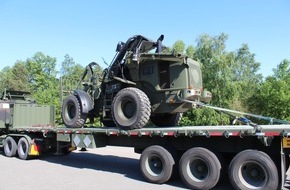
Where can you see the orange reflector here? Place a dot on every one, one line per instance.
(34, 150)
(72, 149)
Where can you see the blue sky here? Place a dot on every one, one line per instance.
(89, 30)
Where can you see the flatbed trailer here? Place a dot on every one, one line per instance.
(254, 157)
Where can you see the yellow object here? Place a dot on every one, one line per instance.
(34, 150)
(72, 149)
(286, 142)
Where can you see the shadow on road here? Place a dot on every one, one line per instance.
(129, 167)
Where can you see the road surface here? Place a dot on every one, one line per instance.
(103, 169)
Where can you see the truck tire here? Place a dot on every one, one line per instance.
(71, 114)
(166, 119)
(23, 149)
(131, 109)
(252, 169)
(156, 164)
(10, 147)
(199, 168)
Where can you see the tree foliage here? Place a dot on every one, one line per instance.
(178, 47)
(273, 96)
(203, 116)
(70, 74)
(15, 78)
(42, 78)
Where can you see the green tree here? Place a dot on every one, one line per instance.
(42, 72)
(70, 74)
(273, 96)
(43, 80)
(15, 78)
(246, 76)
(203, 116)
(70, 68)
(178, 47)
(217, 75)
(190, 51)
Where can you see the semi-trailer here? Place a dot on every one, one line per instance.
(252, 156)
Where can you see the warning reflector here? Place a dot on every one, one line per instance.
(286, 142)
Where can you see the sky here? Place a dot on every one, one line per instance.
(89, 30)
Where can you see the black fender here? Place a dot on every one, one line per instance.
(86, 101)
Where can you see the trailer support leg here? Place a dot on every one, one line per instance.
(58, 149)
(283, 165)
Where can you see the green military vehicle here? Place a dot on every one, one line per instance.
(141, 83)
(18, 110)
(21, 104)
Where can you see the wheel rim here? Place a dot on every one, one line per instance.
(154, 165)
(71, 111)
(128, 108)
(23, 148)
(253, 175)
(197, 169)
(8, 146)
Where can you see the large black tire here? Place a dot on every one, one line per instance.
(131, 109)
(23, 149)
(71, 114)
(199, 168)
(166, 119)
(252, 169)
(156, 164)
(10, 147)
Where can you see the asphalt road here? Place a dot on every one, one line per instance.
(103, 169)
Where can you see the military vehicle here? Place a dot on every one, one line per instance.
(141, 83)
(18, 110)
(20, 103)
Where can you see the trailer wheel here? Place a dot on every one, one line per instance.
(166, 119)
(156, 164)
(23, 148)
(253, 169)
(10, 147)
(131, 108)
(72, 115)
(199, 168)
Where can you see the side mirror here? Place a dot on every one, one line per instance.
(119, 46)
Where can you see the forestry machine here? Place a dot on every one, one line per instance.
(142, 83)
